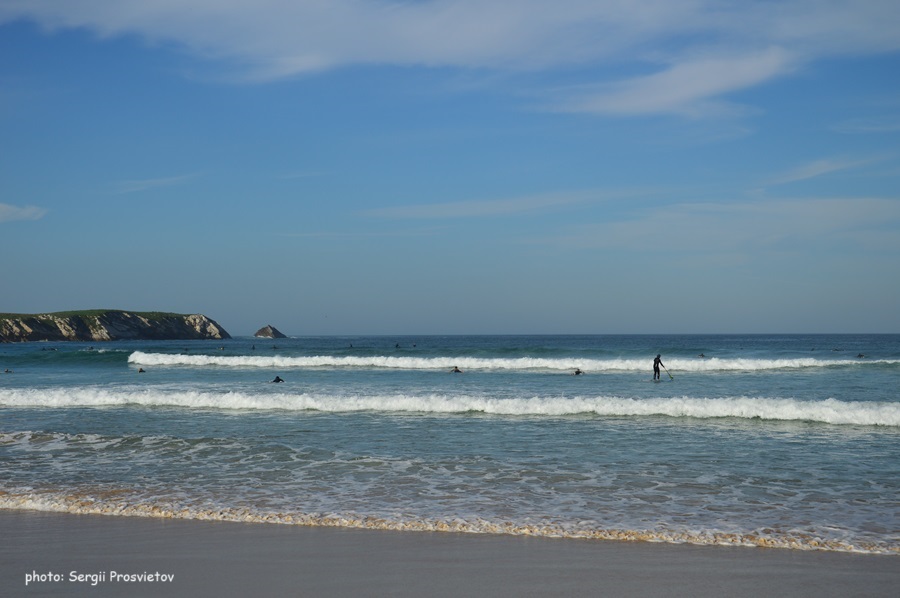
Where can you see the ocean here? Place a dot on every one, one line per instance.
(786, 441)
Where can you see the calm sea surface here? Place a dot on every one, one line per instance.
(764, 440)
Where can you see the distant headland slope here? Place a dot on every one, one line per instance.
(107, 325)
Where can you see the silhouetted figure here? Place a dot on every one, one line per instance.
(656, 363)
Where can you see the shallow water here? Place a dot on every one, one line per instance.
(789, 441)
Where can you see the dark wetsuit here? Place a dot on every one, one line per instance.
(656, 363)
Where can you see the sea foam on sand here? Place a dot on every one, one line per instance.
(215, 558)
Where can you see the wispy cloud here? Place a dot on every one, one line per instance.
(684, 88)
(10, 213)
(138, 185)
(349, 235)
(691, 53)
(742, 227)
(870, 125)
(301, 175)
(817, 168)
(483, 208)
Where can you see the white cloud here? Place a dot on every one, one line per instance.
(9, 213)
(695, 51)
(279, 38)
(684, 88)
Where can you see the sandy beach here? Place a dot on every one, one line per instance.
(114, 556)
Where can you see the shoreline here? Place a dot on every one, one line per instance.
(207, 558)
(84, 505)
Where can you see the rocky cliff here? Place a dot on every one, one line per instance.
(269, 332)
(107, 325)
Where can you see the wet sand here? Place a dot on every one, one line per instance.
(237, 559)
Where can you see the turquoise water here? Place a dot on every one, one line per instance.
(775, 440)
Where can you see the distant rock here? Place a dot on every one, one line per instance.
(107, 325)
(269, 332)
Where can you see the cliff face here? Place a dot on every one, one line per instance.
(269, 332)
(110, 325)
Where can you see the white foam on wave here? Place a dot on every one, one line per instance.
(113, 503)
(478, 363)
(829, 411)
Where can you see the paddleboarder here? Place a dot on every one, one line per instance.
(656, 363)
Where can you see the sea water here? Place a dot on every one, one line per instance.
(769, 440)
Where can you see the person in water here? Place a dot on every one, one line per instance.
(456, 370)
(656, 363)
(577, 372)
(277, 379)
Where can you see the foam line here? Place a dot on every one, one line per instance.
(829, 411)
(86, 504)
(476, 363)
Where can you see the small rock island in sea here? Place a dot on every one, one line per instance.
(269, 332)
(107, 325)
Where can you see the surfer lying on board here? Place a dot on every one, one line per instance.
(456, 370)
(656, 363)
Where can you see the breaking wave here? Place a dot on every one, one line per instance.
(828, 411)
(479, 363)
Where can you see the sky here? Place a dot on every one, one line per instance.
(343, 167)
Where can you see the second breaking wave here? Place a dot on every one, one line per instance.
(828, 411)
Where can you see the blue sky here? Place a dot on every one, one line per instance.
(455, 166)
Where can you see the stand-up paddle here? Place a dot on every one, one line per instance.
(671, 377)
